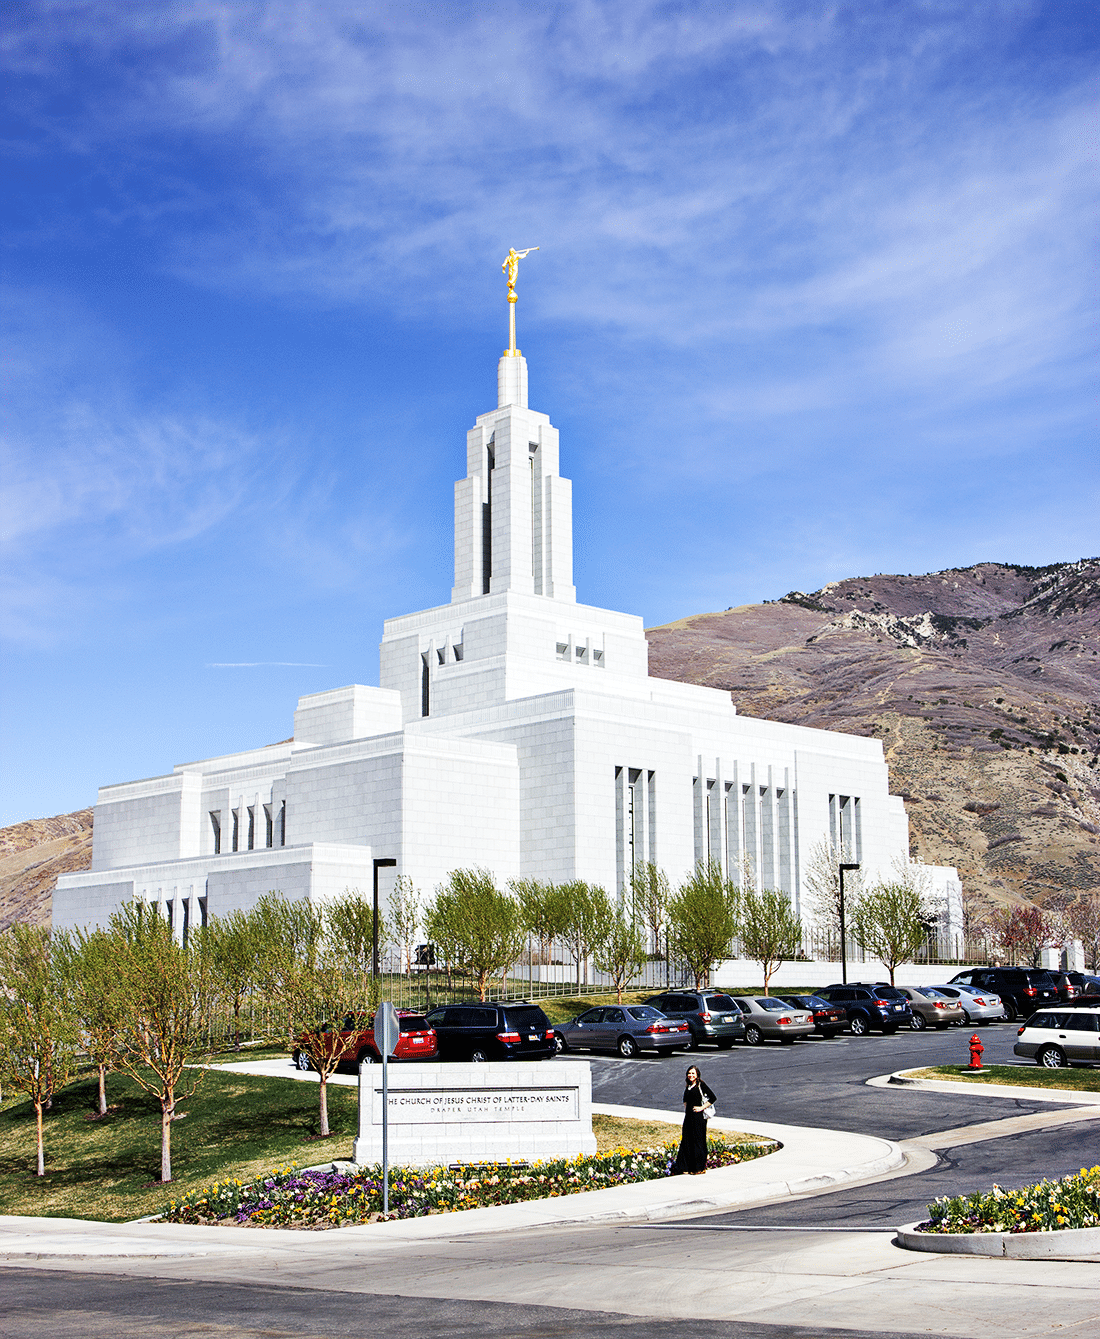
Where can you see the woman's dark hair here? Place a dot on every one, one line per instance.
(698, 1072)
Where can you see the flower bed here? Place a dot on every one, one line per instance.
(1051, 1206)
(287, 1197)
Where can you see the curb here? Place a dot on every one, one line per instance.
(1078, 1243)
(903, 1078)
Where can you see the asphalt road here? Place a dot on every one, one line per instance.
(822, 1083)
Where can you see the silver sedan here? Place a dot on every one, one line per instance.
(979, 1006)
(771, 1019)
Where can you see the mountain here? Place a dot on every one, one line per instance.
(983, 684)
(32, 855)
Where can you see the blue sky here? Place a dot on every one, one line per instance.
(816, 298)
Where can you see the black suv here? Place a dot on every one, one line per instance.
(712, 1015)
(475, 1031)
(1022, 989)
(870, 1008)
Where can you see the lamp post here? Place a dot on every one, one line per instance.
(843, 941)
(384, 864)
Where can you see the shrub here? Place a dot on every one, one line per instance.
(1050, 1206)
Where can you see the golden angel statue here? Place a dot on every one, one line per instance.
(511, 268)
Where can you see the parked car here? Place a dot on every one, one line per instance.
(770, 1018)
(869, 1008)
(1086, 985)
(515, 1030)
(1022, 989)
(829, 1019)
(711, 1015)
(930, 1008)
(979, 1006)
(1065, 985)
(626, 1028)
(416, 1040)
(1057, 1037)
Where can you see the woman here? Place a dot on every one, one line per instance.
(692, 1157)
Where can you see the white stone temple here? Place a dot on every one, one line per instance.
(513, 729)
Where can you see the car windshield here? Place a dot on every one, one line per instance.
(718, 1002)
(929, 993)
(526, 1020)
(412, 1023)
(644, 1012)
(816, 1002)
(773, 1005)
(888, 993)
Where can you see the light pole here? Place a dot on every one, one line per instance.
(383, 864)
(843, 941)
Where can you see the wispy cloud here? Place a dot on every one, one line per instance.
(265, 664)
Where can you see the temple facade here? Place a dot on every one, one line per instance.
(513, 729)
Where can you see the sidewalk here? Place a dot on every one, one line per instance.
(810, 1159)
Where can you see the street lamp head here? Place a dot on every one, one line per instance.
(849, 867)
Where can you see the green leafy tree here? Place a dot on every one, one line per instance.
(288, 935)
(406, 911)
(349, 925)
(703, 919)
(890, 920)
(589, 920)
(234, 947)
(325, 1001)
(621, 953)
(91, 965)
(651, 893)
(168, 993)
(478, 928)
(769, 929)
(544, 909)
(38, 1033)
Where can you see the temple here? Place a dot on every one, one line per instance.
(513, 729)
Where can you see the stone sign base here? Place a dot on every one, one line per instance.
(442, 1113)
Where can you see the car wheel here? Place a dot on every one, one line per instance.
(918, 1022)
(965, 1019)
(478, 1056)
(560, 1047)
(1051, 1057)
(692, 1044)
(366, 1058)
(753, 1035)
(858, 1024)
(724, 1043)
(1011, 1013)
(628, 1048)
(302, 1061)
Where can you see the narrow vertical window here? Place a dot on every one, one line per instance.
(236, 829)
(487, 526)
(251, 827)
(425, 686)
(282, 824)
(269, 826)
(216, 828)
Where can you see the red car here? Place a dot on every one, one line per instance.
(416, 1041)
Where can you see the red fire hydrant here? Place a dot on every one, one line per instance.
(976, 1049)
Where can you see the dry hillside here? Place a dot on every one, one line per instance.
(983, 684)
(32, 855)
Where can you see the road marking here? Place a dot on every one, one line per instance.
(755, 1227)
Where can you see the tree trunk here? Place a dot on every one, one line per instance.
(482, 985)
(237, 1023)
(324, 1106)
(167, 1110)
(41, 1150)
(103, 1089)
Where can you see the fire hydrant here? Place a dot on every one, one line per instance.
(976, 1049)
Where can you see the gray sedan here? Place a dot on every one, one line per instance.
(979, 1006)
(626, 1028)
(771, 1019)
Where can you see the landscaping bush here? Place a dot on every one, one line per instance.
(287, 1197)
(1051, 1206)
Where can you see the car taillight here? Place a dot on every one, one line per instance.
(507, 1036)
(705, 1017)
(978, 999)
(550, 1035)
(883, 1004)
(784, 1020)
(1030, 991)
(939, 1004)
(656, 1027)
(1019, 1030)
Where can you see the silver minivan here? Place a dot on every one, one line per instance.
(1057, 1037)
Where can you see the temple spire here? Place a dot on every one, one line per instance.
(511, 270)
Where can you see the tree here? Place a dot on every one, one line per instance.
(650, 891)
(770, 930)
(288, 934)
(234, 947)
(891, 921)
(37, 1024)
(168, 991)
(821, 882)
(325, 1000)
(91, 966)
(703, 919)
(1021, 930)
(406, 910)
(622, 951)
(477, 927)
(544, 909)
(349, 925)
(1083, 918)
(589, 917)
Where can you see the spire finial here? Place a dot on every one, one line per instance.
(511, 269)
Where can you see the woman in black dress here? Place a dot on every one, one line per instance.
(692, 1157)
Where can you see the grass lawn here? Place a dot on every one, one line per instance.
(236, 1126)
(1017, 1076)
